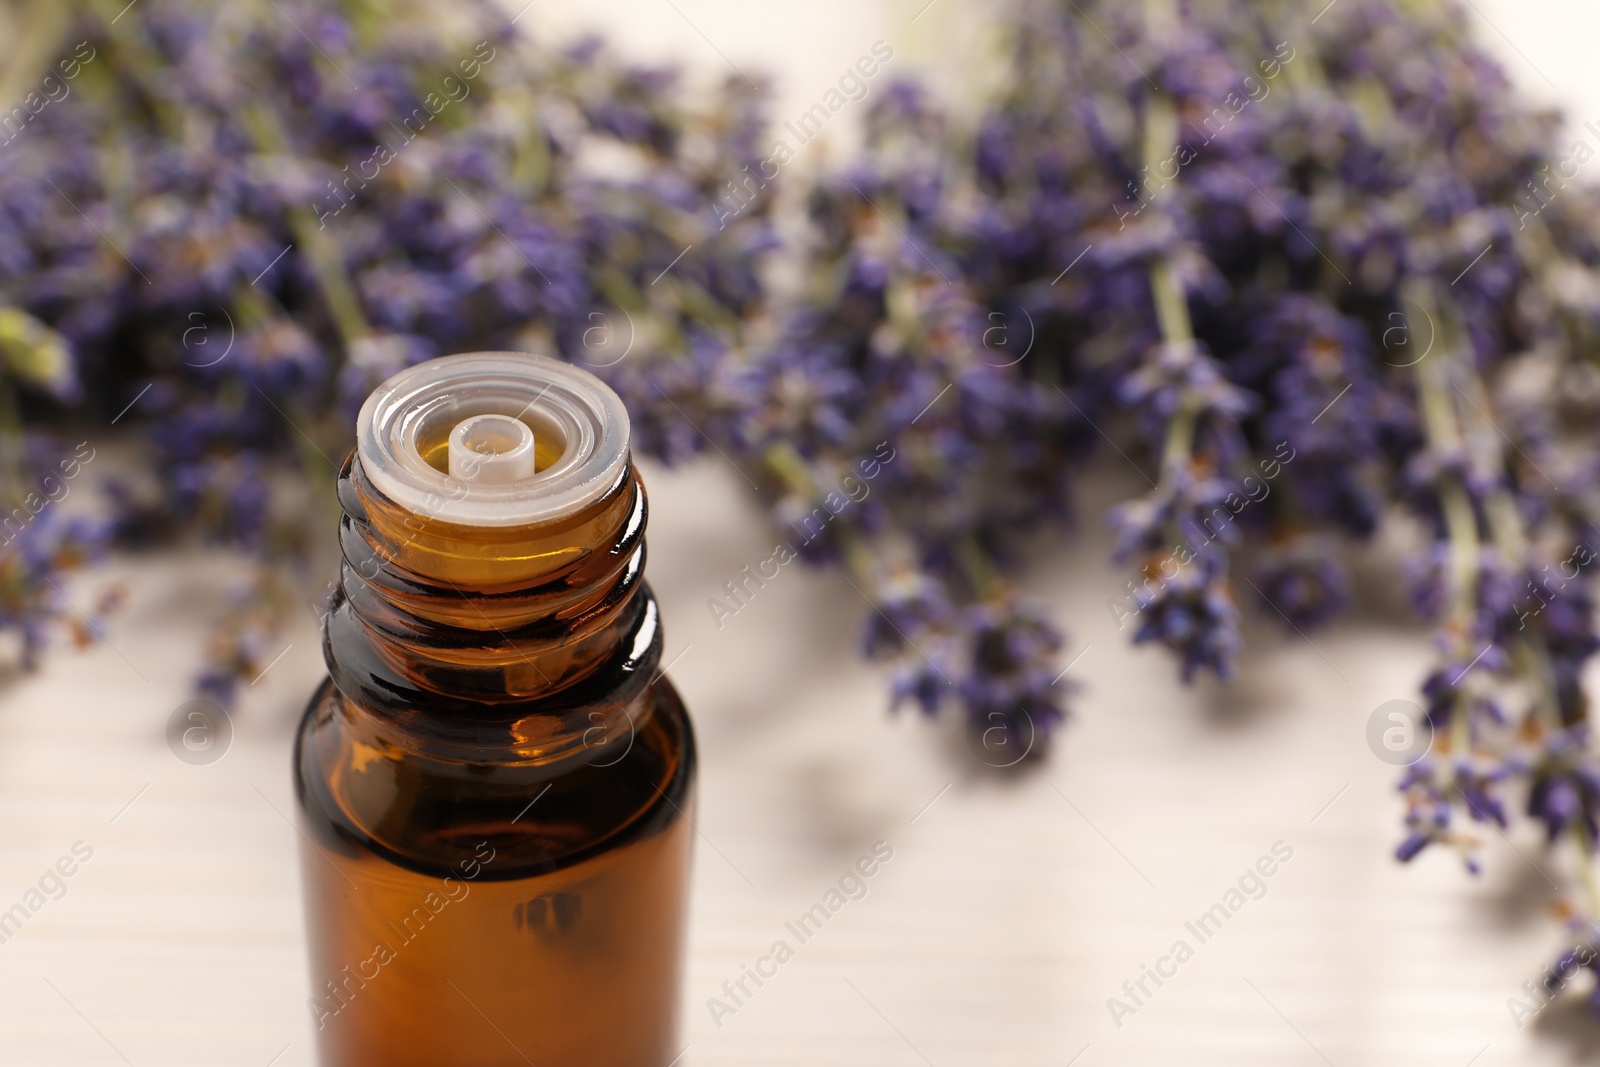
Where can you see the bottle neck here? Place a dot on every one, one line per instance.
(493, 644)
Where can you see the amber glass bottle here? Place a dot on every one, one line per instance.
(495, 783)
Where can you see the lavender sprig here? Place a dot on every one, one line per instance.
(237, 223)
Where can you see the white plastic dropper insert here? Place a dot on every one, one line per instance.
(491, 450)
(479, 416)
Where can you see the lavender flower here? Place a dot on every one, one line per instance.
(259, 216)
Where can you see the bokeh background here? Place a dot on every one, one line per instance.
(1015, 903)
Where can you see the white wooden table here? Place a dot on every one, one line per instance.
(1014, 905)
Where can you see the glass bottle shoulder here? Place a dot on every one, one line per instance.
(362, 792)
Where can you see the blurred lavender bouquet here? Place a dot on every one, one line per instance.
(220, 227)
(1297, 272)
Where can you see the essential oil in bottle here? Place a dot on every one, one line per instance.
(496, 781)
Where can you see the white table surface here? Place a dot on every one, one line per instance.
(1015, 905)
